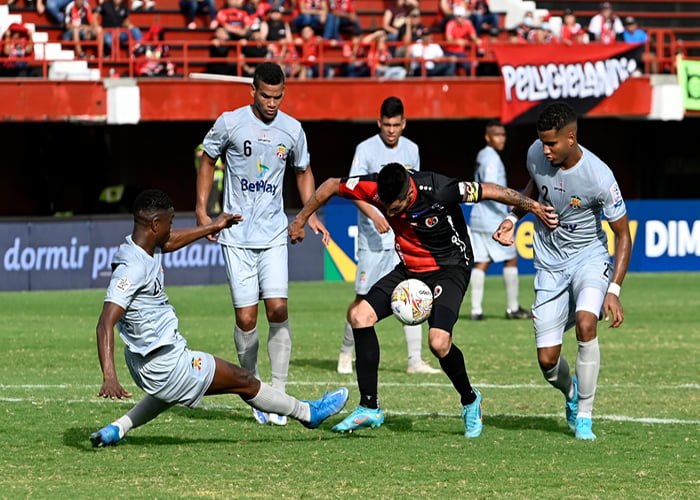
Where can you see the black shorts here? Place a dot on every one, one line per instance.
(449, 284)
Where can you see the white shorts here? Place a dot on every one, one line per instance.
(371, 266)
(486, 249)
(173, 374)
(560, 294)
(256, 273)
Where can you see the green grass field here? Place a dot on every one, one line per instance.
(647, 414)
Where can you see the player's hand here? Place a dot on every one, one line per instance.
(318, 227)
(381, 225)
(613, 310)
(546, 214)
(296, 231)
(205, 220)
(225, 220)
(112, 389)
(504, 233)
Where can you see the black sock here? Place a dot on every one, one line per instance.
(453, 365)
(367, 365)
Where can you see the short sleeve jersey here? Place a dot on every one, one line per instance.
(581, 195)
(137, 285)
(487, 215)
(431, 233)
(370, 156)
(256, 155)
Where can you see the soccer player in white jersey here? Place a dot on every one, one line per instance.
(157, 355)
(375, 239)
(257, 143)
(575, 281)
(484, 218)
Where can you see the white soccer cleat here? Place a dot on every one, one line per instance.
(274, 419)
(345, 363)
(422, 367)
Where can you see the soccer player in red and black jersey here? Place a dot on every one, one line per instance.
(423, 209)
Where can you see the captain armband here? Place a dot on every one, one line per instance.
(470, 191)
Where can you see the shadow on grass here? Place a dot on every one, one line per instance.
(517, 423)
(329, 365)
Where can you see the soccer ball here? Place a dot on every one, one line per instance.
(411, 302)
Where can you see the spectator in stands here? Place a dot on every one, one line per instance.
(605, 27)
(80, 25)
(481, 16)
(459, 34)
(570, 28)
(192, 8)
(279, 33)
(528, 22)
(489, 66)
(152, 54)
(257, 10)
(17, 42)
(634, 34)
(254, 50)
(379, 58)
(395, 18)
(56, 10)
(310, 13)
(542, 33)
(307, 46)
(341, 17)
(413, 30)
(219, 48)
(432, 56)
(114, 15)
(235, 20)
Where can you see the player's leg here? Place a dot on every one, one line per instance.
(347, 348)
(144, 411)
(478, 276)
(510, 280)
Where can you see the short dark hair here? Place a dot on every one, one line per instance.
(492, 123)
(556, 116)
(392, 106)
(151, 201)
(269, 73)
(392, 183)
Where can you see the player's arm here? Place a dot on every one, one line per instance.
(475, 192)
(307, 187)
(111, 388)
(205, 178)
(623, 250)
(505, 231)
(325, 192)
(380, 223)
(182, 237)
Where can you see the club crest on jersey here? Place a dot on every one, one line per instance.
(437, 291)
(281, 152)
(431, 221)
(123, 284)
(575, 202)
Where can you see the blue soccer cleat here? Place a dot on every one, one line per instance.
(571, 407)
(473, 420)
(330, 404)
(584, 429)
(107, 436)
(360, 418)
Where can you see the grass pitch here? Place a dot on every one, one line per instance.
(647, 413)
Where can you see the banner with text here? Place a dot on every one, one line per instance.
(689, 80)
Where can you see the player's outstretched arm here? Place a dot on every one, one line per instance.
(307, 186)
(519, 202)
(623, 249)
(183, 237)
(111, 388)
(325, 192)
(205, 178)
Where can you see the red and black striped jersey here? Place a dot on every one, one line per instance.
(431, 233)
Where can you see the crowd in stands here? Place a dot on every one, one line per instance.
(295, 32)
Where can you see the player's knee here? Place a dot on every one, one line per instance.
(439, 343)
(278, 314)
(362, 315)
(246, 321)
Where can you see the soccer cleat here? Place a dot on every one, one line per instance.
(345, 363)
(260, 416)
(519, 313)
(107, 436)
(275, 419)
(478, 317)
(422, 367)
(584, 429)
(360, 418)
(473, 420)
(330, 404)
(571, 407)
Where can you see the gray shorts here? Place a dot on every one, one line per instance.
(256, 273)
(173, 374)
(372, 266)
(486, 249)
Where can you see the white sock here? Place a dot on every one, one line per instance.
(279, 348)
(414, 337)
(476, 284)
(560, 377)
(144, 411)
(271, 400)
(510, 278)
(247, 344)
(587, 368)
(348, 345)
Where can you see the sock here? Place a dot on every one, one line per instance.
(367, 365)
(414, 337)
(510, 278)
(476, 284)
(144, 411)
(560, 377)
(348, 339)
(454, 367)
(587, 368)
(279, 348)
(247, 344)
(271, 400)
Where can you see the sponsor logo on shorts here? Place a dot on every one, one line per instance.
(197, 363)
(431, 221)
(437, 291)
